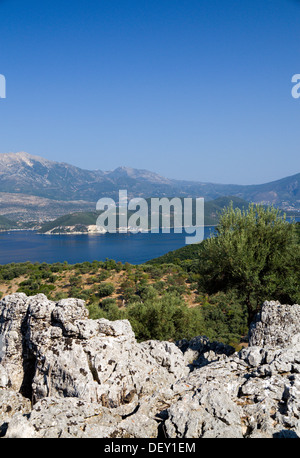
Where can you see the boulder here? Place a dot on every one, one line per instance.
(275, 325)
(65, 375)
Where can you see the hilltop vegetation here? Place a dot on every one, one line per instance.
(160, 301)
(6, 224)
(187, 255)
(212, 288)
(80, 220)
(213, 208)
(77, 219)
(256, 254)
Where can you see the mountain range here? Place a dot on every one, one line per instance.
(48, 184)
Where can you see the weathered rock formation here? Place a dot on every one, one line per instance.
(64, 375)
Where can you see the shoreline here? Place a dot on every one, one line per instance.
(128, 231)
(125, 232)
(95, 232)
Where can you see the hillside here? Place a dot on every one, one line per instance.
(114, 290)
(34, 175)
(84, 219)
(213, 208)
(6, 223)
(140, 293)
(25, 174)
(23, 207)
(189, 253)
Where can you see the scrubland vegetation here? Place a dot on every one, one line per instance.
(213, 288)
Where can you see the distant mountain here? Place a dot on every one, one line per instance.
(33, 175)
(25, 174)
(25, 207)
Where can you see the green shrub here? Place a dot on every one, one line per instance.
(107, 302)
(255, 252)
(75, 280)
(105, 289)
(111, 312)
(103, 275)
(166, 318)
(224, 317)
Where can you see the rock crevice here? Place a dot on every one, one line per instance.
(64, 375)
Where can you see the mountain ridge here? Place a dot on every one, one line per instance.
(23, 173)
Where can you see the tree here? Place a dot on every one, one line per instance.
(165, 318)
(255, 252)
(105, 289)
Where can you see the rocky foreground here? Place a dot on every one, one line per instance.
(64, 375)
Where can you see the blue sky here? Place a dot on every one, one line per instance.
(191, 89)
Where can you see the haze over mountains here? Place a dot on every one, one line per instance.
(32, 180)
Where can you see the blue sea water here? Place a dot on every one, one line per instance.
(22, 246)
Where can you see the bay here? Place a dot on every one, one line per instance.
(22, 246)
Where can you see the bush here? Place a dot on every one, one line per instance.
(224, 318)
(159, 286)
(103, 275)
(166, 318)
(106, 303)
(112, 312)
(75, 280)
(147, 292)
(110, 264)
(255, 252)
(105, 289)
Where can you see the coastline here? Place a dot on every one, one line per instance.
(99, 232)
(126, 231)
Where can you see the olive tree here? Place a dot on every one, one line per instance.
(255, 252)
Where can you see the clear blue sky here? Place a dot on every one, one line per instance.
(191, 89)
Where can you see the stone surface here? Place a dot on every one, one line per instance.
(275, 325)
(64, 375)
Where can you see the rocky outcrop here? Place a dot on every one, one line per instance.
(276, 325)
(64, 375)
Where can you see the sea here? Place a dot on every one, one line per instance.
(21, 246)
